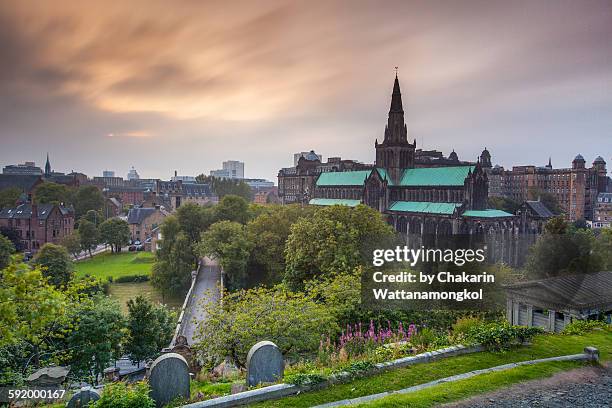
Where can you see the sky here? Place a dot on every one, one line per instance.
(185, 85)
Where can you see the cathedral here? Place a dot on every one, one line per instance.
(421, 200)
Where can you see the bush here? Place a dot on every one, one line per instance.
(132, 278)
(500, 335)
(464, 325)
(305, 379)
(120, 395)
(578, 327)
(424, 338)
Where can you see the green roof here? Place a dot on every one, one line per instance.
(334, 201)
(424, 207)
(435, 176)
(385, 174)
(343, 178)
(490, 213)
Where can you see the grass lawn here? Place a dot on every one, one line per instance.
(126, 291)
(107, 265)
(543, 346)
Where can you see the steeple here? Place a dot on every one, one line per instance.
(47, 167)
(396, 98)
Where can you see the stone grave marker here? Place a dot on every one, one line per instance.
(264, 363)
(169, 378)
(83, 397)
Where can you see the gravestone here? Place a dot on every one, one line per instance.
(169, 378)
(264, 363)
(83, 398)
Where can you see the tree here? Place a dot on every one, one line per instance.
(227, 242)
(6, 250)
(53, 193)
(232, 208)
(9, 197)
(335, 239)
(87, 198)
(174, 260)
(150, 329)
(225, 186)
(116, 233)
(294, 322)
(194, 219)
(55, 264)
(548, 199)
(556, 226)
(72, 243)
(96, 338)
(603, 248)
(504, 204)
(13, 235)
(89, 234)
(95, 217)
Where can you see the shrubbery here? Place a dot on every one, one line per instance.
(578, 327)
(501, 335)
(120, 395)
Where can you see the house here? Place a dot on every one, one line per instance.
(553, 303)
(38, 224)
(143, 221)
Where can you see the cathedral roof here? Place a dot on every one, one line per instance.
(343, 178)
(334, 201)
(489, 213)
(424, 207)
(436, 176)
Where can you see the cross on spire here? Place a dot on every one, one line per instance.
(396, 69)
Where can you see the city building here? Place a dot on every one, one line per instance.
(259, 183)
(38, 224)
(108, 173)
(296, 156)
(25, 169)
(143, 221)
(575, 188)
(602, 216)
(184, 179)
(133, 174)
(231, 169)
(174, 193)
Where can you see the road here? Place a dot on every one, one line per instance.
(207, 282)
(99, 249)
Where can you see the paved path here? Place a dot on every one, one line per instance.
(206, 282)
(583, 387)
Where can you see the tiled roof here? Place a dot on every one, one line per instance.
(138, 215)
(489, 213)
(22, 182)
(343, 178)
(583, 291)
(435, 176)
(334, 201)
(423, 207)
(540, 209)
(24, 211)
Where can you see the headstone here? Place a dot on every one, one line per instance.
(111, 374)
(592, 353)
(48, 376)
(83, 398)
(264, 363)
(169, 379)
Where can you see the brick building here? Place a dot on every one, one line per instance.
(602, 214)
(143, 221)
(39, 224)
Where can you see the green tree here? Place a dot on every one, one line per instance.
(603, 248)
(55, 264)
(548, 199)
(13, 235)
(72, 243)
(504, 204)
(87, 198)
(6, 250)
(95, 217)
(174, 261)
(9, 197)
(232, 208)
(96, 338)
(53, 193)
(89, 235)
(335, 239)
(292, 321)
(556, 225)
(227, 242)
(150, 329)
(116, 233)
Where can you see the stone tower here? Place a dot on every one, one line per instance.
(395, 153)
(47, 167)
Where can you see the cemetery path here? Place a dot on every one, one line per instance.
(206, 283)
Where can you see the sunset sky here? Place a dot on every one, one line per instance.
(185, 85)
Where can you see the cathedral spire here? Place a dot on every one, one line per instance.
(47, 166)
(396, 97)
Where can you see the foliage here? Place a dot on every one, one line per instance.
(500, 335)
(55, 264)
(13, 235)
(504, 204)
(72, 243)
(548, 199)
(341, 294)
(96, 338)
(291, 320)
(53, 193)
(131, 278)
(465, 325)
(424, 338)
(6, 250)
(9, 197)
(562, 250)
(579, 327)
(115, 232)
(335, 239)
(227, 242)
(193, 219)
(225, 186)
(603, 248)
(232, 208)
(121, 395)
(150, 329)
(87, 198)
(302, 379)
(89, 235)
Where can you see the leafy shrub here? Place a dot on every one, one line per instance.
(120, 395)
(578, 327)
(500, 335)
(132, 278)
(305, 378)
(464, 325)
(424, 338)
